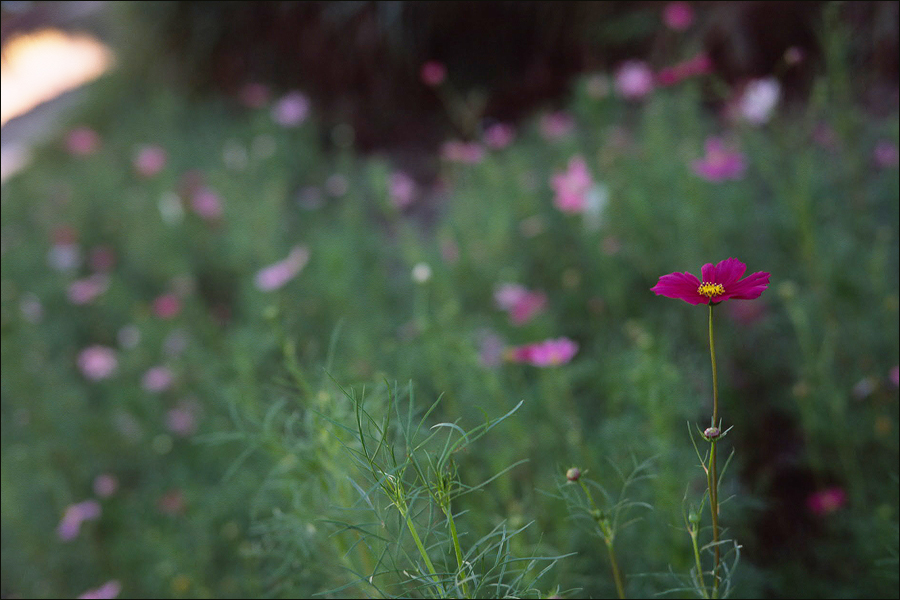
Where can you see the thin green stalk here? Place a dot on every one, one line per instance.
(712, 477)
(418, 541)
(615, 569)
(608, 537)
(697, 559)
(459, 558)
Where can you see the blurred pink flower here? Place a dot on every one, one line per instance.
(276, 275)
(105, 485)
(556, 125)
(758, 100)
(827, 501)
(698, 65)
(84, 291)
(401, 189)
(182, 420)
(150, 160)
(886, 154)
(450, 252)
(74, 516)
(254, 95)
(172, 502)
(720, 162)
(572, 186)
(433, 73)
(521, 304)
(102, 259)
(678, 15)
(469, 153)
(107, 591)
(157, 379)
(167, 306)
(490, 349)
(544, 354)
(97, 362)
(894, 376)
(82, 141)
(634, 79)
(499, 135)
(206, 203)
(291, 110)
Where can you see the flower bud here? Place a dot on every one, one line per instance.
(712, 433)
(693, 517)
(573, 474)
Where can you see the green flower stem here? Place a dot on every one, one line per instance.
(608, 537)
(615, 569)
(694, 532)
(712, 476)
(459, 558)
(412, 530)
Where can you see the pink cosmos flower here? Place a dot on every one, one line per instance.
(469, 153)
(678, 15)
(886, 154)
(291, 110)
(720, 162)
(544, 354)
(82, 141)
(85, 291)
(207, 204)
(827, 501)
(105, 485)
(698, 65)
(521, 304)
(572, 186)
(556, 125)
(150, 160)
(634, 80)
(107, 591)
(433, 73)
(97, 362)
(277, 275)
(499, 135)
(74, 516)
(720, 282)
(401, 189)
(157, 379)
(167, 306)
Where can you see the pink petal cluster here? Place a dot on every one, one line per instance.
(167, 306)
(157, 379)
(727, 274)
(469, 153)
(207, 204)
(827, 501)
(277, 275)
(74, 516)
(97, 362)
(572, 186)
(82, 141)
(433, 73)
(85, 291)
(402, 189)
(499, 136)
(556, 125)
(698, 65)
(150, 160)
(105, 485)
(548, 353)
(678, 15)
(521, 304)
(720, 162)
(291, 110)
(107, 591)
(634, 79)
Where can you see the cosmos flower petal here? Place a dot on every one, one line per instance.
(729, 271)
(682, 286)
(749, 288)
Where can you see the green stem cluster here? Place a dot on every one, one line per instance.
(712, 474)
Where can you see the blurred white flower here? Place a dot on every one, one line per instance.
(759, 99)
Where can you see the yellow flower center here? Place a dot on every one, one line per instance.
(710, 290)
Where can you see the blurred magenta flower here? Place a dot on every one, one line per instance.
(720, 282)
(207, 204)
(490, 348)
(720, 163)
(556, 125)
(469, 153)
(97, 362)
(291, 110)
(634, 79)
(167, 306)
(401, 189)
(572, 186)
(433, 73)
(521, 304)
(886, 154)
(82, 141)
(758, 100)
(276, 275)
(74, 516)
(105, 485)
(827, 501)
(85, 291)
(678, 15)
(698, 65)
(157, 379)
(182, 420)
(544, 354)
(149, 160)
(499, 135)
(254, 95)
(107, 591)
